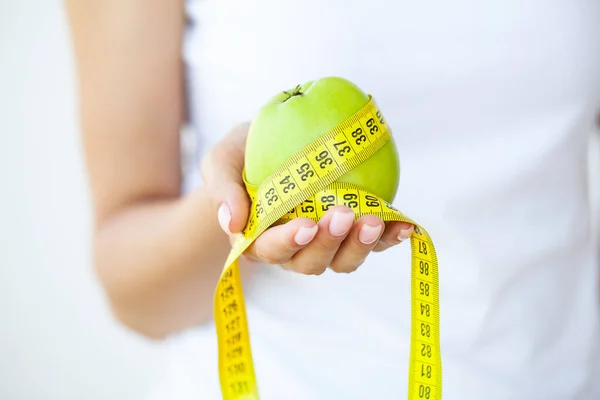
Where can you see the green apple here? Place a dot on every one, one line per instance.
(295, 118)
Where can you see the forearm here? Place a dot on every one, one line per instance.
(159, 262)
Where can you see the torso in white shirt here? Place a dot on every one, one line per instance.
(491, 105)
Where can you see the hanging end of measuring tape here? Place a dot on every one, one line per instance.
(425, 374)
(236, 367)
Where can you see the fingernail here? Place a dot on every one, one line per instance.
(340, 223)
(368, 234)
(404, 234)
(224, 216)
(305, 235)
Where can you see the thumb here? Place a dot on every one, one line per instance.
(234, 207)
(222, 172)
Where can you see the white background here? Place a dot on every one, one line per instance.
(57, 339)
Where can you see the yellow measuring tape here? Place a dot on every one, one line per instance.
(306, 184)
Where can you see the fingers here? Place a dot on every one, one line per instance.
(395, 232)
(356, 247)
(334, 227)
(335, 242)
(277, 245)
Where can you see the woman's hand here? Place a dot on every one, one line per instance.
(301, 245)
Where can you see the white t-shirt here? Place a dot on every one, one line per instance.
(491, 105)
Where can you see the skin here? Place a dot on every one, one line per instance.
(158, 254)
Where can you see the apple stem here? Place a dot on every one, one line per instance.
(296, 92)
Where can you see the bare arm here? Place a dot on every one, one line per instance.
(158, 255)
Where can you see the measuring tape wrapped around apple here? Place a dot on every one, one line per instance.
(348, 158)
